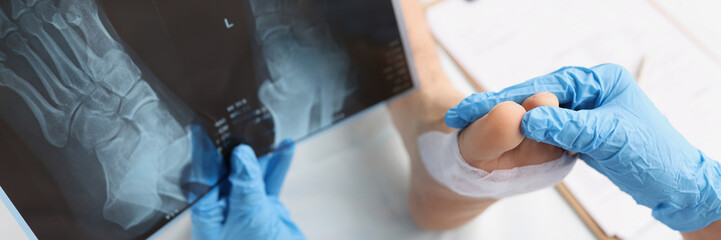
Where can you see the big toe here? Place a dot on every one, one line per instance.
(540, 99)
(497, 132)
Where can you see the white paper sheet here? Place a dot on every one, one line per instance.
(501, 43)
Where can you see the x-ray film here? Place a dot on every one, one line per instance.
(115, 116)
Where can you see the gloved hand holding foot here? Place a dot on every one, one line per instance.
(494, 141)
(491, 158)
(251, 209)
(606, 117)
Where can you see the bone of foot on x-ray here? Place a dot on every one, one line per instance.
(54, 123)
(128, 202)
(78, 46)
(335, 87)
(154, 119)
(163, 143)
(301, 56)
(68, 73)
(167, 172)
(262, 7)
(292, 70)
(131, 197)
(59, 94)
(168, 144)
(137, 161)
(97, 120)
(277, 49)
(94, 93)
(95, 42)
(6, 26)
(134, 201)
(168, 185)
(47, 11)
(138, 96)
(19, 7)
(123, 74)
(270, 23)
(297, 104)
(84, 15)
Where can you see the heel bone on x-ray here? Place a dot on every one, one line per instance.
(308, 70)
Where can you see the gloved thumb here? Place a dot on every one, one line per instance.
(277, 164)
(579, 131)
(208, 216)
(247, 189)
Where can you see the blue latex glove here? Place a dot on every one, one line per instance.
(617, 130)
(251, 210)
(207, 165)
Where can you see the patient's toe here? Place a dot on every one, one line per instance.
(493, 134)
(540, 99)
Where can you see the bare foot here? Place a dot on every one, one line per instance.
(495, 141)
(432, 205)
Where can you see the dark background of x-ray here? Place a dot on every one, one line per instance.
(209, 66)
(185, 44)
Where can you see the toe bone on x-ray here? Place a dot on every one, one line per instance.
(90, 91)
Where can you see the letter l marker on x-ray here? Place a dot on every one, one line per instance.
(228, 25)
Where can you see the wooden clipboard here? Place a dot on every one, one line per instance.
(583, 214)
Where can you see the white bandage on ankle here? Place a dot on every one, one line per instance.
(443, 160)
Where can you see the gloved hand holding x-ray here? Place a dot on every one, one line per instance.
(249, 207)
(606, 117)
(93, 105)
(109, 106)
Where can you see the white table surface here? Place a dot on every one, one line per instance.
(352, 182)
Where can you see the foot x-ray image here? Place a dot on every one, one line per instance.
(116, 147)
(308, 73)
(113, 114)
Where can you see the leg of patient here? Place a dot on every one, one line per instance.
(433, 205)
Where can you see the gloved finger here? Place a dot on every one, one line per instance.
(208, 216)
(278, 164)
(266, 160)
(492, 135)
(290, 230)
(247, 189)
(580, 131)
(207, 164)
(575, 87)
